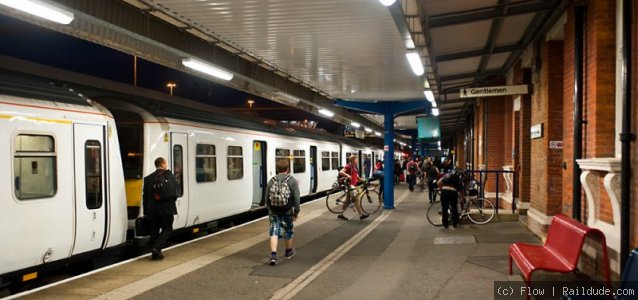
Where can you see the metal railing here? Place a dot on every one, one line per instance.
(482, 180)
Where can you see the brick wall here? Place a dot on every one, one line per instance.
(523, 76)
(547, 105)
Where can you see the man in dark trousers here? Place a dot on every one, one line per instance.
(159, 207)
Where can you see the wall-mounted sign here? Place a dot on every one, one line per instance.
(536, 131)
(493, 91)
(555, 144)
(386, 148)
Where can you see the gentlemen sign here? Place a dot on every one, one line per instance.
(492, 91)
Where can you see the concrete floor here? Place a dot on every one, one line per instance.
(395, 254)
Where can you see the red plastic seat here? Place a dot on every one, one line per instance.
(561, 250)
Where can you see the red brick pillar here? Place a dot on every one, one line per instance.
(523, 76)
(547, 106)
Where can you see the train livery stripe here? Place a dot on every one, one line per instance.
(9, 117)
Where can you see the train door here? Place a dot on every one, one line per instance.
(90, 196)
(179, 166)
(313, 169)
(259, 172)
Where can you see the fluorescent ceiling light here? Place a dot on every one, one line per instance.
(206, 68)
(426, 84)
(41, 9)
(433, 104)
(435, 111)
(415, 62)
(429, 95)
(387, 2)
(377, 133)
(409, 43)
(326, 112)
(355, 124)
(368, 130)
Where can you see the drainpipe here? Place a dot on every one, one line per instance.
(626, 136)
(578, 107)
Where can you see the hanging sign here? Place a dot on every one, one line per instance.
(493, 91)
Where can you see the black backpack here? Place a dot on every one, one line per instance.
(165, 187)
(412, 167)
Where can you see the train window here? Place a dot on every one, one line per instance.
(34, 167)
(205, 163)
(325, 161)
(178, 167)
(299, 161)
(281, 154)
(335, 160)
(235, 163)
(93, 174)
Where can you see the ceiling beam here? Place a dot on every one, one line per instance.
(473, 53)
(487, 73)
(492, 12)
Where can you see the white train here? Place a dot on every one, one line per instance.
(72, 184)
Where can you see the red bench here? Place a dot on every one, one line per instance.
(560, 252)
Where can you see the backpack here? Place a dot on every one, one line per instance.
(279, 195)
(412, 167)
(165, 187)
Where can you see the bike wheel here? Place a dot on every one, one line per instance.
(480, 211)
(434, 214)
(370, 201)
(335, 202)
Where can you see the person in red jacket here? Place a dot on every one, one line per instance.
(350, 171)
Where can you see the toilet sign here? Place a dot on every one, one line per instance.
(493, 91)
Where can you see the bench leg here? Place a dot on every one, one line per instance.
(510, 259)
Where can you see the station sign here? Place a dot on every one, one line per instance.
(493, 91)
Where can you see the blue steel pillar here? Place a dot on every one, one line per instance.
(389, 109)
(388, 161)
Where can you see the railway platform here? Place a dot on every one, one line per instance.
(395, 254)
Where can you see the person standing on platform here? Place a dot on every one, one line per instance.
(432, 176)
(451, 185)
(282, 201)
(158, 200)
(378, 174)
(397, 171)
(412, 169)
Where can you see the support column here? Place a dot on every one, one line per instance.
(388, 161)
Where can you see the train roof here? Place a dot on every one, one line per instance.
(37, 88)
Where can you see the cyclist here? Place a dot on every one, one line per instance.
(451, 185)
(350, 171)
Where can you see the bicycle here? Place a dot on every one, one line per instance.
(369, 199)
(478, 210)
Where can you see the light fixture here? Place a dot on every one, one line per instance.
(426, 84)
(207, 68)
(433, 104)
(355, 124)
(368, 130)
(326, 112)
(42, 10)
(409, 43)
(435, 111)
(415, 62)
(387, 2)
(171, 86)
(429, 95)
(377, 133)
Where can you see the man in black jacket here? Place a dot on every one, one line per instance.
(157, 210)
